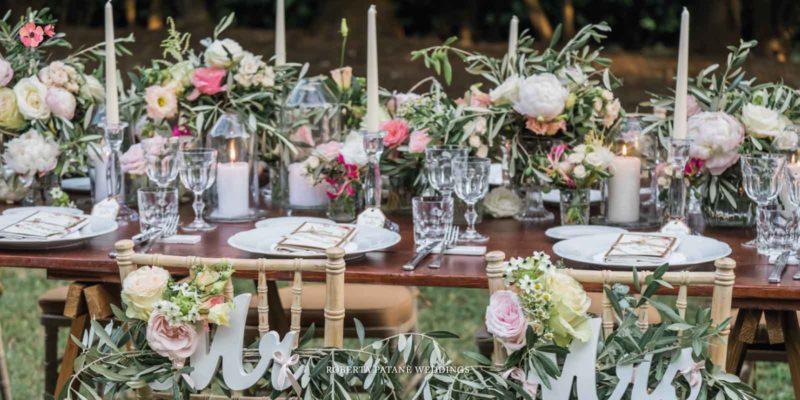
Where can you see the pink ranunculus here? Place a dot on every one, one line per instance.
(162, 102)
(329, 151)
(207, 81)
(50, 30)
(61, 102)
(132, 161)
(302, 135)
(176, 342)
(692, 106)
(396, 132)
(716, 137)
(479, 99)
(419, 141)
(343, 77)
(6, 73)
(31, 35)
(506, 320)
(545, 128)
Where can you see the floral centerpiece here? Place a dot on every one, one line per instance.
(46, 107)
(729, 115)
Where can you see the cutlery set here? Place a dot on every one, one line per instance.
(449, 240)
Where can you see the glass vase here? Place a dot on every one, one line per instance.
(533, 206)
(574, 205)
(343, 208)
(12, 189)
(724, 215)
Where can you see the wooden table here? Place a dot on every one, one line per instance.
(751, 292)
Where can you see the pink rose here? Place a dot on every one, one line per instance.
(545, 128)
(343, 77)
(506, 320)
(692, 106)
(419, 141)
(6, 73)
(207, 81)
(162, 102)
(716, 138)
(302, 135)
(61, 102)
(132, 161)
(479, 99)
(176, 342)
(396, 132)
(329, 151)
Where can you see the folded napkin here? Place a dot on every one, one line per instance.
(180, 239)
(462, 250)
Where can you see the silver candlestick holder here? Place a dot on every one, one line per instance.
(676, 211)
(114, 135)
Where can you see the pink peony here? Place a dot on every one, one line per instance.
(162, 102)
(716, 138)
(506, 320)
(176, 342)
(479, 99)
(329, 151)
(692, 106)
(396, 132)
(132, 161)
(419, 141)
(207, 81)
(61, 102)
(545, 128)
(31, 35)
(303, 135)
(6, 73)
(343, 77)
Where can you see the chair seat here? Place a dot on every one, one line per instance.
(52, 301)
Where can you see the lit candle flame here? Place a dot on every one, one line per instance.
(624, 150)
(231, 151)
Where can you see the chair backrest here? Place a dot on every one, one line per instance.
(333, 267)
(721, 280)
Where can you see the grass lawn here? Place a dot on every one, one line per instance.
(456, 310)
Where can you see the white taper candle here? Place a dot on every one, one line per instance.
(280, 34)
(681, 87)
(112, 104)
(373, 105)
(513, 34)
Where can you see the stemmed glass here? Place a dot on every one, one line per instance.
(762, 175)
(439, 164)
(198, 171)
(161, 164)
(471, 183)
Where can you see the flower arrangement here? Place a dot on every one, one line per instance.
(729, 115)
(580, 167)
(48, 103)
(339, 165)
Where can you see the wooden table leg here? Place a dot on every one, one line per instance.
(743, 333)
(791, 332)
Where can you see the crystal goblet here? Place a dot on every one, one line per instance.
(198, 171)
(471, 184)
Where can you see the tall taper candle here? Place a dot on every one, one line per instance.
(681, 87)
(280, 34)
(112, 104)
(513, 34)
(373, 106)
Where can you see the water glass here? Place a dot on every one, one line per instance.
(161, 162)
(432, 215)
(198, 171)
(762, 176)
(158, 208)
(779, 230)
(471, 185)
(439, 164)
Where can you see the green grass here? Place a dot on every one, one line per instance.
(456, 310)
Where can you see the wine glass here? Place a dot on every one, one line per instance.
(439, 164)
(762, 175)
(471, 183)
(161, 162)
(198, 171)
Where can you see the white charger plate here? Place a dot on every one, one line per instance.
(572, 231)
(97, 226)
(296, 221)
(30, 210)
(263, 241)
(692, 250)
(77, 184)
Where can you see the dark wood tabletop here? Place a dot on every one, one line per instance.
(90, 261)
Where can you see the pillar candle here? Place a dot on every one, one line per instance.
(373, 105)
(623, 189)
(513, 34)
(233, 186)
(301, 193)
(112, 104)
(280, 34)
(681, 87)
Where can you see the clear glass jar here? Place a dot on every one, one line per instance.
(574, 206)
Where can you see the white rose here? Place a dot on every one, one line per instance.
(31, 96)
(507, 92)
(600, 157)
(762, 122)
(31, 153)
(353, 149)
(61, 102)
(92, 89)
(579, 171)
(249, 67)
(142, 289)
(223, 53)
(502, 202)
(612, 112)
(541, 96)
(787, 140)
(312, 162)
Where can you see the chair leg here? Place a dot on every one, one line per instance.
(50, 354)
(5, 381)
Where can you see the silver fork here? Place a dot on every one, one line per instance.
(450, 237)
(171, 226)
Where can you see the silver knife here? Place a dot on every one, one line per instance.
(777, 269)
(422, 253)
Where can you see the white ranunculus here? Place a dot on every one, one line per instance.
(541, 96)
(716, 137)
(223, 53)
(507, 92)
(31, 95)
(142, 289)
(502, 203)
(762, 122)
(61, 102)
(31, 153)
(353, 149)
(92, 89)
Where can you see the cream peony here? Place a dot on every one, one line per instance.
(223, 53)
(10, 117)
(716, 138)
(176, 342)
(142, 289)
(31, 95)
(92, 89)
(31, 153)
(568, 318)
(502, 202)
(541, 96)
(762, 122)
(6, 73)
(61, 102)
(506, 320)
(507, 92)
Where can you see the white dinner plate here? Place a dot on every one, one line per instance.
(263, 241)
(97, 226)
(30, 210)
(692, 250)
(554, 196)
(77, 184)
(572, 231)
(296, 221)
